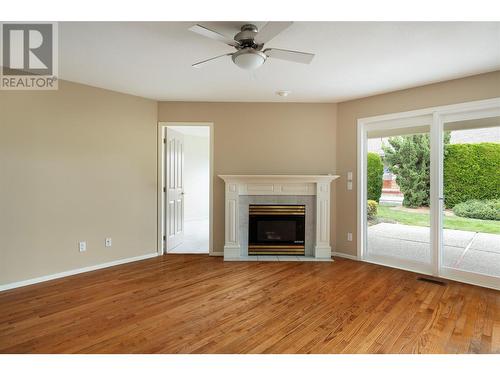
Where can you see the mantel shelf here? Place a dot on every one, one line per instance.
(277, 178)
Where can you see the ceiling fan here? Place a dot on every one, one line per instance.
(249, 44)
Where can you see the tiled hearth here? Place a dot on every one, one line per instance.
(278, 258)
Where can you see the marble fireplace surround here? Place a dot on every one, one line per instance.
(310, 190)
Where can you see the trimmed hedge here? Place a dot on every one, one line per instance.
(471, 171)
(375, 172)
(476, 209)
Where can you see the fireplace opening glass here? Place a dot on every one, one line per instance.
(269, 230)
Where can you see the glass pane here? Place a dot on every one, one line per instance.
(276, 231)
(471, 184)
(398, 188)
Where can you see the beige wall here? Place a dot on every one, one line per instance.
(260, 138)
(75, 164)
(477, 87)
(80, 164)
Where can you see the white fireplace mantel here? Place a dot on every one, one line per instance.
(317, 185)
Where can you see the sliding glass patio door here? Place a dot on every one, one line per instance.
(429, 192)
(470, 176)
(398, 221)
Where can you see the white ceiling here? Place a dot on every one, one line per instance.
(353, 59)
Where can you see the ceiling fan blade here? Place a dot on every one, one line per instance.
(284, 54)
(198, 29)
(196, 65)
(270, 30)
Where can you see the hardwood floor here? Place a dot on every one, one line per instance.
(200, 304)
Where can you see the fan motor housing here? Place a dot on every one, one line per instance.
(246, 37)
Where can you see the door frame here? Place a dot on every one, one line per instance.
(439, 115)
(161, 129)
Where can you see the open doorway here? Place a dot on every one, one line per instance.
(186, 170)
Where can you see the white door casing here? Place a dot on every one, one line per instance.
(174, 183)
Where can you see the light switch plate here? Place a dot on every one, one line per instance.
(82, 246)
(349, 236)
(349, 185)
(349, 176)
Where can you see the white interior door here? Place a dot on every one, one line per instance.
(174, 183)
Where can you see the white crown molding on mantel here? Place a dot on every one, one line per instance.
(283, 178)
(317, 185)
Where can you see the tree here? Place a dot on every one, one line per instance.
(375, 171)
(408, 157)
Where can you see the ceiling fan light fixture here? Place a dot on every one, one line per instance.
(249, 58)
(249, 43)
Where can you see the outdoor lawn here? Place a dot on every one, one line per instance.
(394, 214)
(398, 198)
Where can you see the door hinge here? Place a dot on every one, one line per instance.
(164, 140)
(164, 238)
(164, 189)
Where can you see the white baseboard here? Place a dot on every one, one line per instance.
(216, 254)
(343, 255)
(41, 279)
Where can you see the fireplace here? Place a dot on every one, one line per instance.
(309, 234)
(276, 229)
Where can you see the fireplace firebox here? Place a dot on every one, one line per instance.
(276, 229)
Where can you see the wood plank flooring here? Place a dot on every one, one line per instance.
(200, 304)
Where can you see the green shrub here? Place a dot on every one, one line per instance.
(371, 209)
(375, 172)
(476, 209)
(408, 157)
(471, 171)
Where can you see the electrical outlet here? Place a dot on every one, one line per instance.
(349, 236)
(349, 185)
(82, 246)
(108, 242)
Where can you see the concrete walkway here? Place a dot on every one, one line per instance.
(463, 250)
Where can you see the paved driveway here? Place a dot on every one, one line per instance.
(469, 251)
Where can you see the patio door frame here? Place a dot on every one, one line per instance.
(435, 117)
